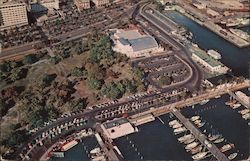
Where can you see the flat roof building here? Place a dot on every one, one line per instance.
(49, 4)
(117, 128)
(133, 43)
(82, 4)
(13, 14)
(208, 62)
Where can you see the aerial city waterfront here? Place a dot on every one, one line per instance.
(113, 80)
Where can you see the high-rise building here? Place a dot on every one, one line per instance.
(101, 3)
(82, 4)
(12, 14)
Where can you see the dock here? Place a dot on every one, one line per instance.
(199, 136)
(238, 99)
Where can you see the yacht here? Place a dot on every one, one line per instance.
(219, 140)
(213, 137)
(185, 137)
(197, 122)
(177, 126)
(199, 156)
(171, 123)
(245, 111)
(203, 102)
(194, 118)
(96, 150)
(196, 150)
(189, 141)
(201, 124)
(226, 147)
(232, 156)
(246, 116)
(191, 145)
(237, 105)
(180, 130)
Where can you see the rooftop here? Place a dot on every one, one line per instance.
(114, 123)
(203, 55)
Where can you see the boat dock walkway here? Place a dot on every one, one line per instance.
(201, 137)
(238, 99)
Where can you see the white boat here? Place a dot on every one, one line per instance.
(177, 126)
(245, 111)
(171, 123)
(214, 54)
(191, 145)
(237, 105)
(196, 149)
(232, 156)
(240, 33)
(203, 102)
(217, 96)
(199, 156)
(180, 130)
(201, 124)
(246, 116)
(96, 150)
(194, 118)
(69, 145)
(213, 137)
(218, 140)
(197, 122)
(226, 147)
(189, 141)
(185, 137)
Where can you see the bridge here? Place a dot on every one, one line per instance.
(238, 99)
(199, 136)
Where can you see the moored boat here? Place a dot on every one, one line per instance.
(226, 147)
(232, 156)
(185, 137)
(189, 141)
(180, 130)
(219, 140)
(197, 122)
(237, 105)
(196, 149)
(213, 137)
(199, 156)
(194, 118)
(191, 145)
(203, 102)
(172, 123)
(201, 124)
(177, 126)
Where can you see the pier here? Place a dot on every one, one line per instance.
(199, 136)
(238, 99)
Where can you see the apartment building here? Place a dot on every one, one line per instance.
(101, 3)
(12, 14)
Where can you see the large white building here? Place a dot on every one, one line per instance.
(134, 44)
(117, 128)
(12, 14)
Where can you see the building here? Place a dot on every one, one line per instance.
(134, 44)
(12, 14)
(82, 4)
(117, 128)
(208, 62)
(101, 3)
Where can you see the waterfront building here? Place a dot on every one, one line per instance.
(117, 128)
(82, 4)
(212, 13)
(214, 54)
(208, 62)
(12, 14)
(101, 3)
(134, 44)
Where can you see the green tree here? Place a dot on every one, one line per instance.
(48, 78)
(30, 59)
(94, 83)
(165, 80)
(78, 72)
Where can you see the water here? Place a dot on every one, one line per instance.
(246, 29)
(232, 56)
